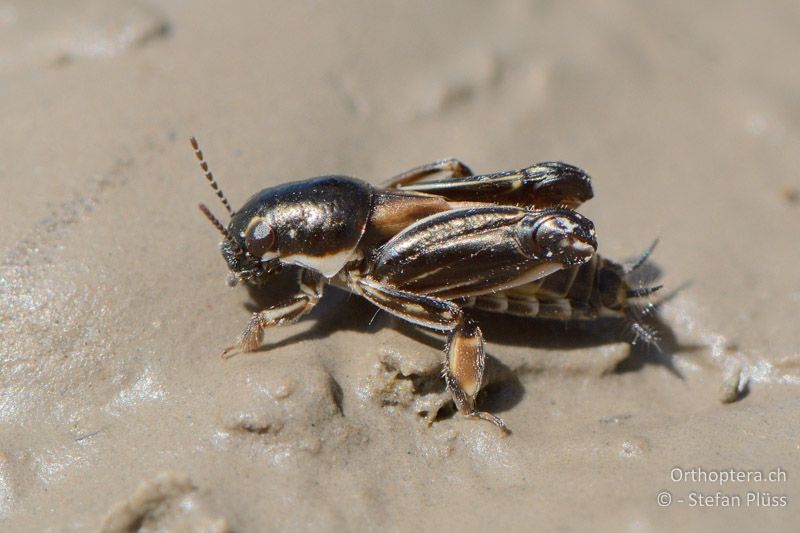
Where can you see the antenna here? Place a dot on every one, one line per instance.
(222, 229)
(641, 259)
(210, 177)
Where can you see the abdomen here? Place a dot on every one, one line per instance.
(569, 294)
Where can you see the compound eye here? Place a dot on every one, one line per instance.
(259, 237)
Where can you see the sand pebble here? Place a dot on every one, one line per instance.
(282, 411)
(635, 446)
(734, 385)
(166, 503)
(106, 29)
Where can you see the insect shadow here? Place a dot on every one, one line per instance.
(340, 310)
(503, 388)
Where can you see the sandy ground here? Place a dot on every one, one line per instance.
(116, 411)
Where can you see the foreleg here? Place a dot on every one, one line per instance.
(310, 287)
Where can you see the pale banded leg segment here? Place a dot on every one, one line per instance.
(465, 359)
(456, 168)
(310, 291)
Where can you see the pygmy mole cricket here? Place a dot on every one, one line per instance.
(426, 249)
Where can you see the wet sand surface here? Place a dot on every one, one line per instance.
(116, 411)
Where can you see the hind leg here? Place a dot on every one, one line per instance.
(456, 168)
(464, 355)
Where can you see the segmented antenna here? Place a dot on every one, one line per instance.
(222, 229)
(642, 291)
(642, 258)
(209, 176)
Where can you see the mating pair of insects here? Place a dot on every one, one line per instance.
(425, 249)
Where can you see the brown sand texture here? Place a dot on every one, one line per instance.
(117, 412)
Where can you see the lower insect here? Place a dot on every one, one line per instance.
(425, 250)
